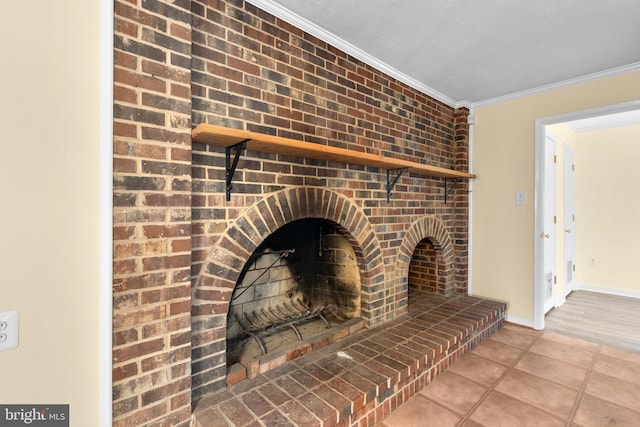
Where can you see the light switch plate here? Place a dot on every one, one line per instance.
(521, 198)
(8, 330)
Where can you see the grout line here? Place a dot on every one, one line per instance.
(587, 377)
(493, 385)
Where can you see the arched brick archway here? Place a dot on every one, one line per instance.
(212, 292)
(433, 229)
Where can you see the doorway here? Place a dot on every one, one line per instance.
(542, 205)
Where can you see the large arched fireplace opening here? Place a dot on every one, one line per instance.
(298, 288)
(311, 222)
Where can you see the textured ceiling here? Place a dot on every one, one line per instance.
(466, 52)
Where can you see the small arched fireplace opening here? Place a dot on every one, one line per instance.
(297, 288)
(427, 258)
(426, 268)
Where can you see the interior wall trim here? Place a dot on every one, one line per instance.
(105, 293)
(608, 290)
(560, 85)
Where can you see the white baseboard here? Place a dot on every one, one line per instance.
(607, 290)
(519, 321)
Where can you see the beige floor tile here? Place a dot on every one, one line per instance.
(454, 392)
(552, 370)
(514, 338)
(479, 369)
(522, 329)
(575, 342)
(539, 392)
(563, 352)
(594, 412)
(619, 368)
(621, 354)
(498, 352)
(501, 410)
(420, 412)
(614, 390)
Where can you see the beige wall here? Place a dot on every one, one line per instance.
(608, 219)
(503, 158)
(49, 184)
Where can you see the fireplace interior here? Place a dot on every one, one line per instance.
(424, 268)
(298, 287)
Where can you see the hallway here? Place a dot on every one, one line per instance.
(597, 317)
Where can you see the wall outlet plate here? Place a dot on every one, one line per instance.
(8, 330)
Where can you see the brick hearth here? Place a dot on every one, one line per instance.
(363, 377)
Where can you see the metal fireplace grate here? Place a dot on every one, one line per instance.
(259, 325)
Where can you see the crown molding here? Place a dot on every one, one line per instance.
(298, 21)
(560, 85)
(335, 41)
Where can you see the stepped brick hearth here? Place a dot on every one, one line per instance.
(360, 379)
(197, 273)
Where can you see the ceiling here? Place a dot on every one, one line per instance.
(470, 53)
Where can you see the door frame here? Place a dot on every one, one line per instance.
(539, 147)
(550, 182)
(569, 193)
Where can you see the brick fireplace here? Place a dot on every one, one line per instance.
(225, 261)
(181, 249)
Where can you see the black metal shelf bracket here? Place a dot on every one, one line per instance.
(231, 166)
(449, 188)
(392, 183)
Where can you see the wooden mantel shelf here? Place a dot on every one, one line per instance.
(227, 137)
(239, 140)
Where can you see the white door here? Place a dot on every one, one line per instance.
(549, 233)
(569, 221)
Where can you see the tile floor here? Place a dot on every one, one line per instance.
(521, 377)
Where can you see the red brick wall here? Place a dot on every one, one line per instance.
(180, 63)
(152, 213)
(251, 71)
(460, 231)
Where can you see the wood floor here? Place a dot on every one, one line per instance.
(606, 319)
